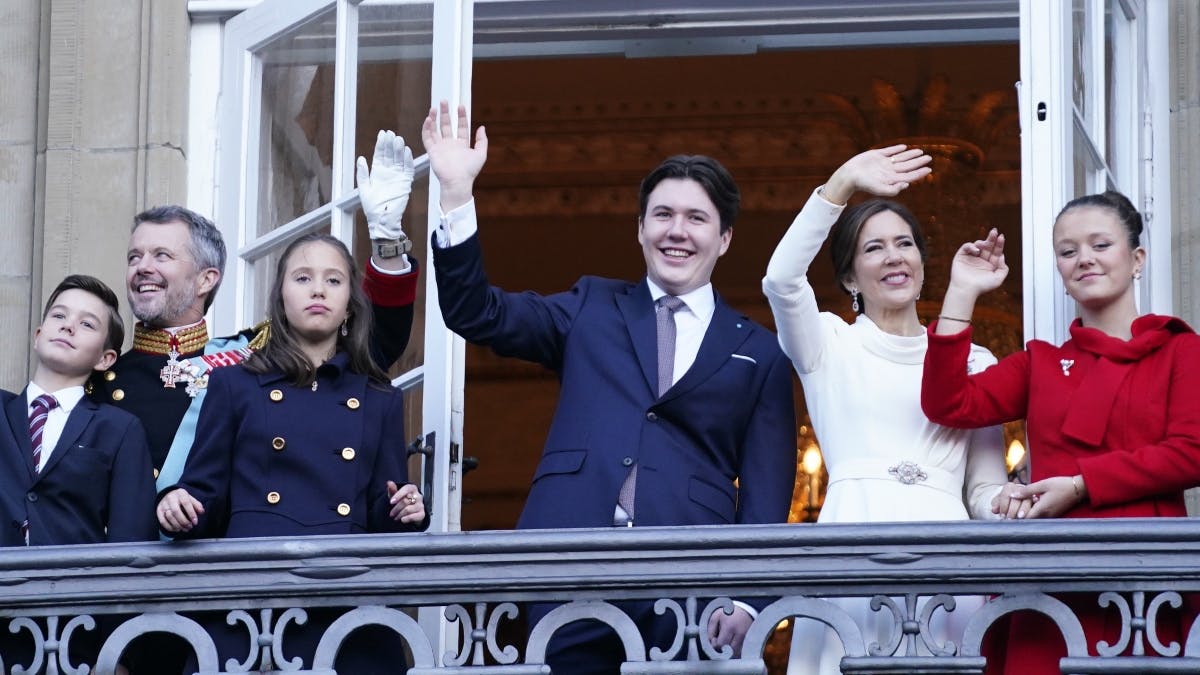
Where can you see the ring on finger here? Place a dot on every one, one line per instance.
(412, 499)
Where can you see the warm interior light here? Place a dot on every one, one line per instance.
(811, 459)
(1016, 452)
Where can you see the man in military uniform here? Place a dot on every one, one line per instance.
(176, 262)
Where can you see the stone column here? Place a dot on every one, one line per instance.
(21, 33)
(1185, 165)
(91, 132)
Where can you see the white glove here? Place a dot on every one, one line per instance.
(383, 188)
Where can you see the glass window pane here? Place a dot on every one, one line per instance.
(1089, 175)
(394, 70)
(1081, 56)
(395, 45)
(296, 143)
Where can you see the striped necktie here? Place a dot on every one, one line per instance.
(41, 408)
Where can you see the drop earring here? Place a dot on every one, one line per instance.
(345, 329)
(854, 302)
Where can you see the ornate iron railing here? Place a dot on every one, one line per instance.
(1135, 567)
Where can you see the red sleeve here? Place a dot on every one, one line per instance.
(952, 398)
(391, 290)
(1170, 465)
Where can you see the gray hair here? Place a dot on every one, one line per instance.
(206, 245)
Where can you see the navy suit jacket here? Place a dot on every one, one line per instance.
(729, 418)
(97, 486)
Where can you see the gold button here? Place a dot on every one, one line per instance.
(343, 509)
(276, 395)
(352, 403)
(109, 376)
(272, 497)
(156, 473)
(118, 394)
(278, 443)
(347, 454)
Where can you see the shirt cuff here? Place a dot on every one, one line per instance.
(394, 273)
(749, 610)
(456, 226)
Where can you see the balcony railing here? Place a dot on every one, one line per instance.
(480, 579)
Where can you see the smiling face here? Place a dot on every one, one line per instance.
(680, 234)
(166, 287)
(1094, 256)
(72, 340)
(316, 293)
(887, 267)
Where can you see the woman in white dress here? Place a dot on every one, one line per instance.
(862, 382)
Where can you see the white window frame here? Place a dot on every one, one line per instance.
(1048, 146)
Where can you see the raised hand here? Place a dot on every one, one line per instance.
(451, 157)
(884, 172)
(979, 266)
(384, 187)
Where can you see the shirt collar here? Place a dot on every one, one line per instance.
(700, 301)
(67, 397)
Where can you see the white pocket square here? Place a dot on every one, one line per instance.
(742, 357)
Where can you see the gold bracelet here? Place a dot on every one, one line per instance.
(953, 318)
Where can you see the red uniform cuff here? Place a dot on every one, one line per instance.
(391, 290)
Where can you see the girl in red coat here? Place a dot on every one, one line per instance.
(1113, 415)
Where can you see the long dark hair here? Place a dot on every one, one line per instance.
(843, 243)
(282, 352)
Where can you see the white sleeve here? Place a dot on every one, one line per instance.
(786, 286)
(985, 472)
(457, 226)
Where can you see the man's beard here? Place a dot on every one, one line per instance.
(171, 311)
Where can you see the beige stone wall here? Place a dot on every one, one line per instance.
(1185, 168)
(21, 31)
(91, 131)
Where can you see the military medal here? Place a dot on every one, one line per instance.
(173, 371)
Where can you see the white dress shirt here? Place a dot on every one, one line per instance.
(67, 399)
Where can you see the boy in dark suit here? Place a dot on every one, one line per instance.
(72, 471)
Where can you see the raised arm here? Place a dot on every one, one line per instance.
(978, 267)
(882, 172)
(451, 158)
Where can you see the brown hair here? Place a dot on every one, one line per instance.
(282, 353)
(90, 284)
(843, 243)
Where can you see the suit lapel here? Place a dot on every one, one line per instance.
(17, 413)
(726, 332)
(78, 420)
(638, 312)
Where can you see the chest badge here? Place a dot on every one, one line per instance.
(172, 372)
(1066, 366)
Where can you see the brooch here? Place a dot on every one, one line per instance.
(1066, 366)
(908, 472)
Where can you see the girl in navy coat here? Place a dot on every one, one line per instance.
(306, 436)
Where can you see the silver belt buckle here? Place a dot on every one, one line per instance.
(907, 472)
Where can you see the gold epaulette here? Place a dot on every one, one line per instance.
(262, 333)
